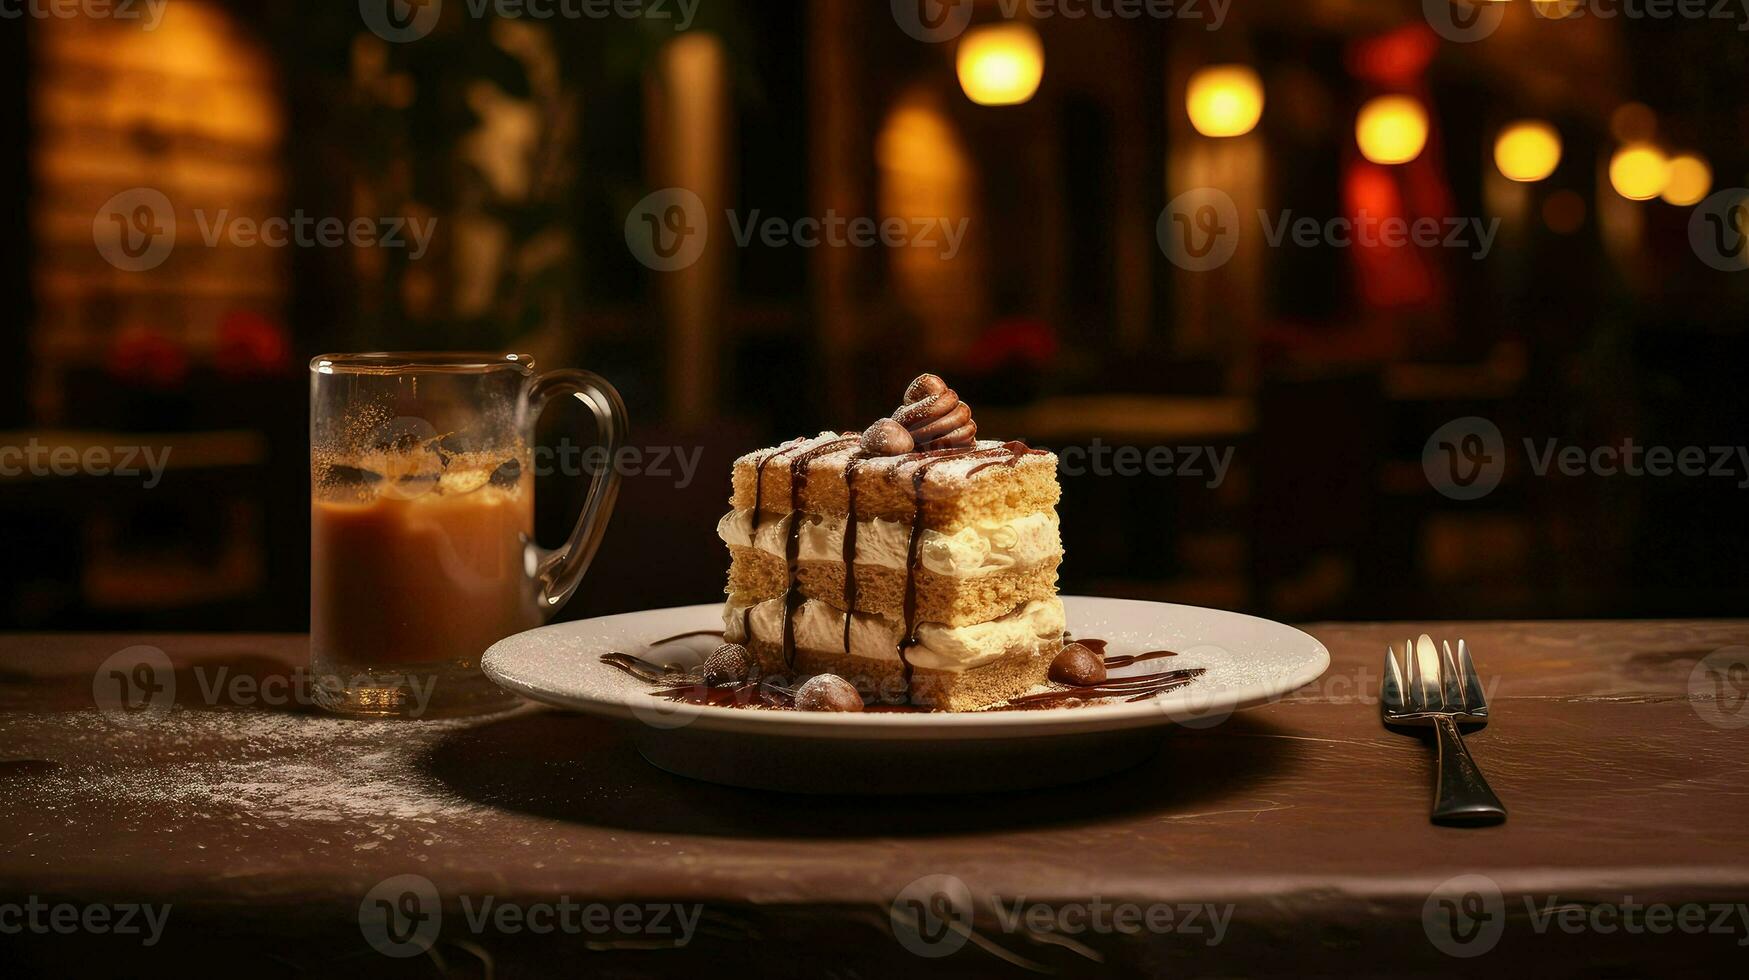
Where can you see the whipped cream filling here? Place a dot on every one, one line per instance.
(976, 549)
(819, 626)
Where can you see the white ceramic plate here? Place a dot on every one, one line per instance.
(1247, 660)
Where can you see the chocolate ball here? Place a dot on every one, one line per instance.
(887, 438)
(923, 386)
(1079, 666)
(827, 692)
(728, 664)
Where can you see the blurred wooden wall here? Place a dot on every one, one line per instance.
(191, 109)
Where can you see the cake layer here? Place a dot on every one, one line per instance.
(1020, 669)
(820, 627)
(954, 601)
(993, 482)
(975, 549)
(952, 668)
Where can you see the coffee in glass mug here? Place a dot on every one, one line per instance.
(422, 550)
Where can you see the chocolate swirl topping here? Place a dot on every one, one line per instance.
(933, 417)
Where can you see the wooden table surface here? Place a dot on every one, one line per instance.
(1292, 838)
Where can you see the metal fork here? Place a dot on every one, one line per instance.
(1442, 691)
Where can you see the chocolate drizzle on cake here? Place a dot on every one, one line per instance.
(908, 633)
(913, 555)
(753, 532)
(1016, 451)
(792, 596)
(849, 556)
(929, 428)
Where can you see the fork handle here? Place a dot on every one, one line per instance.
(1462, 796)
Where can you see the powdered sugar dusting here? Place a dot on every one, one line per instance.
(266, 766)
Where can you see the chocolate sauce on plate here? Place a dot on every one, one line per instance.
(1117, 659)
(1138, 688)
(686, 636)
(683, 687)
(1124, 660)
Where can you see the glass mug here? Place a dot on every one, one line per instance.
(422, 550)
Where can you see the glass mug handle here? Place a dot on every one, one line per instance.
(558, 571)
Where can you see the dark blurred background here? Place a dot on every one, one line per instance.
(1325, 370)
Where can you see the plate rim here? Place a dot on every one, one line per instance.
(963, 725)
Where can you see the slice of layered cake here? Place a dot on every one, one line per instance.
(913, 560)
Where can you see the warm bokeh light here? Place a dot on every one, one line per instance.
(1638, 172)
(1564, 212)
(1690, 177)
(1001, 64)
(1391, 129)
(1528, 150)
(1633, 122)
(1224, 100)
